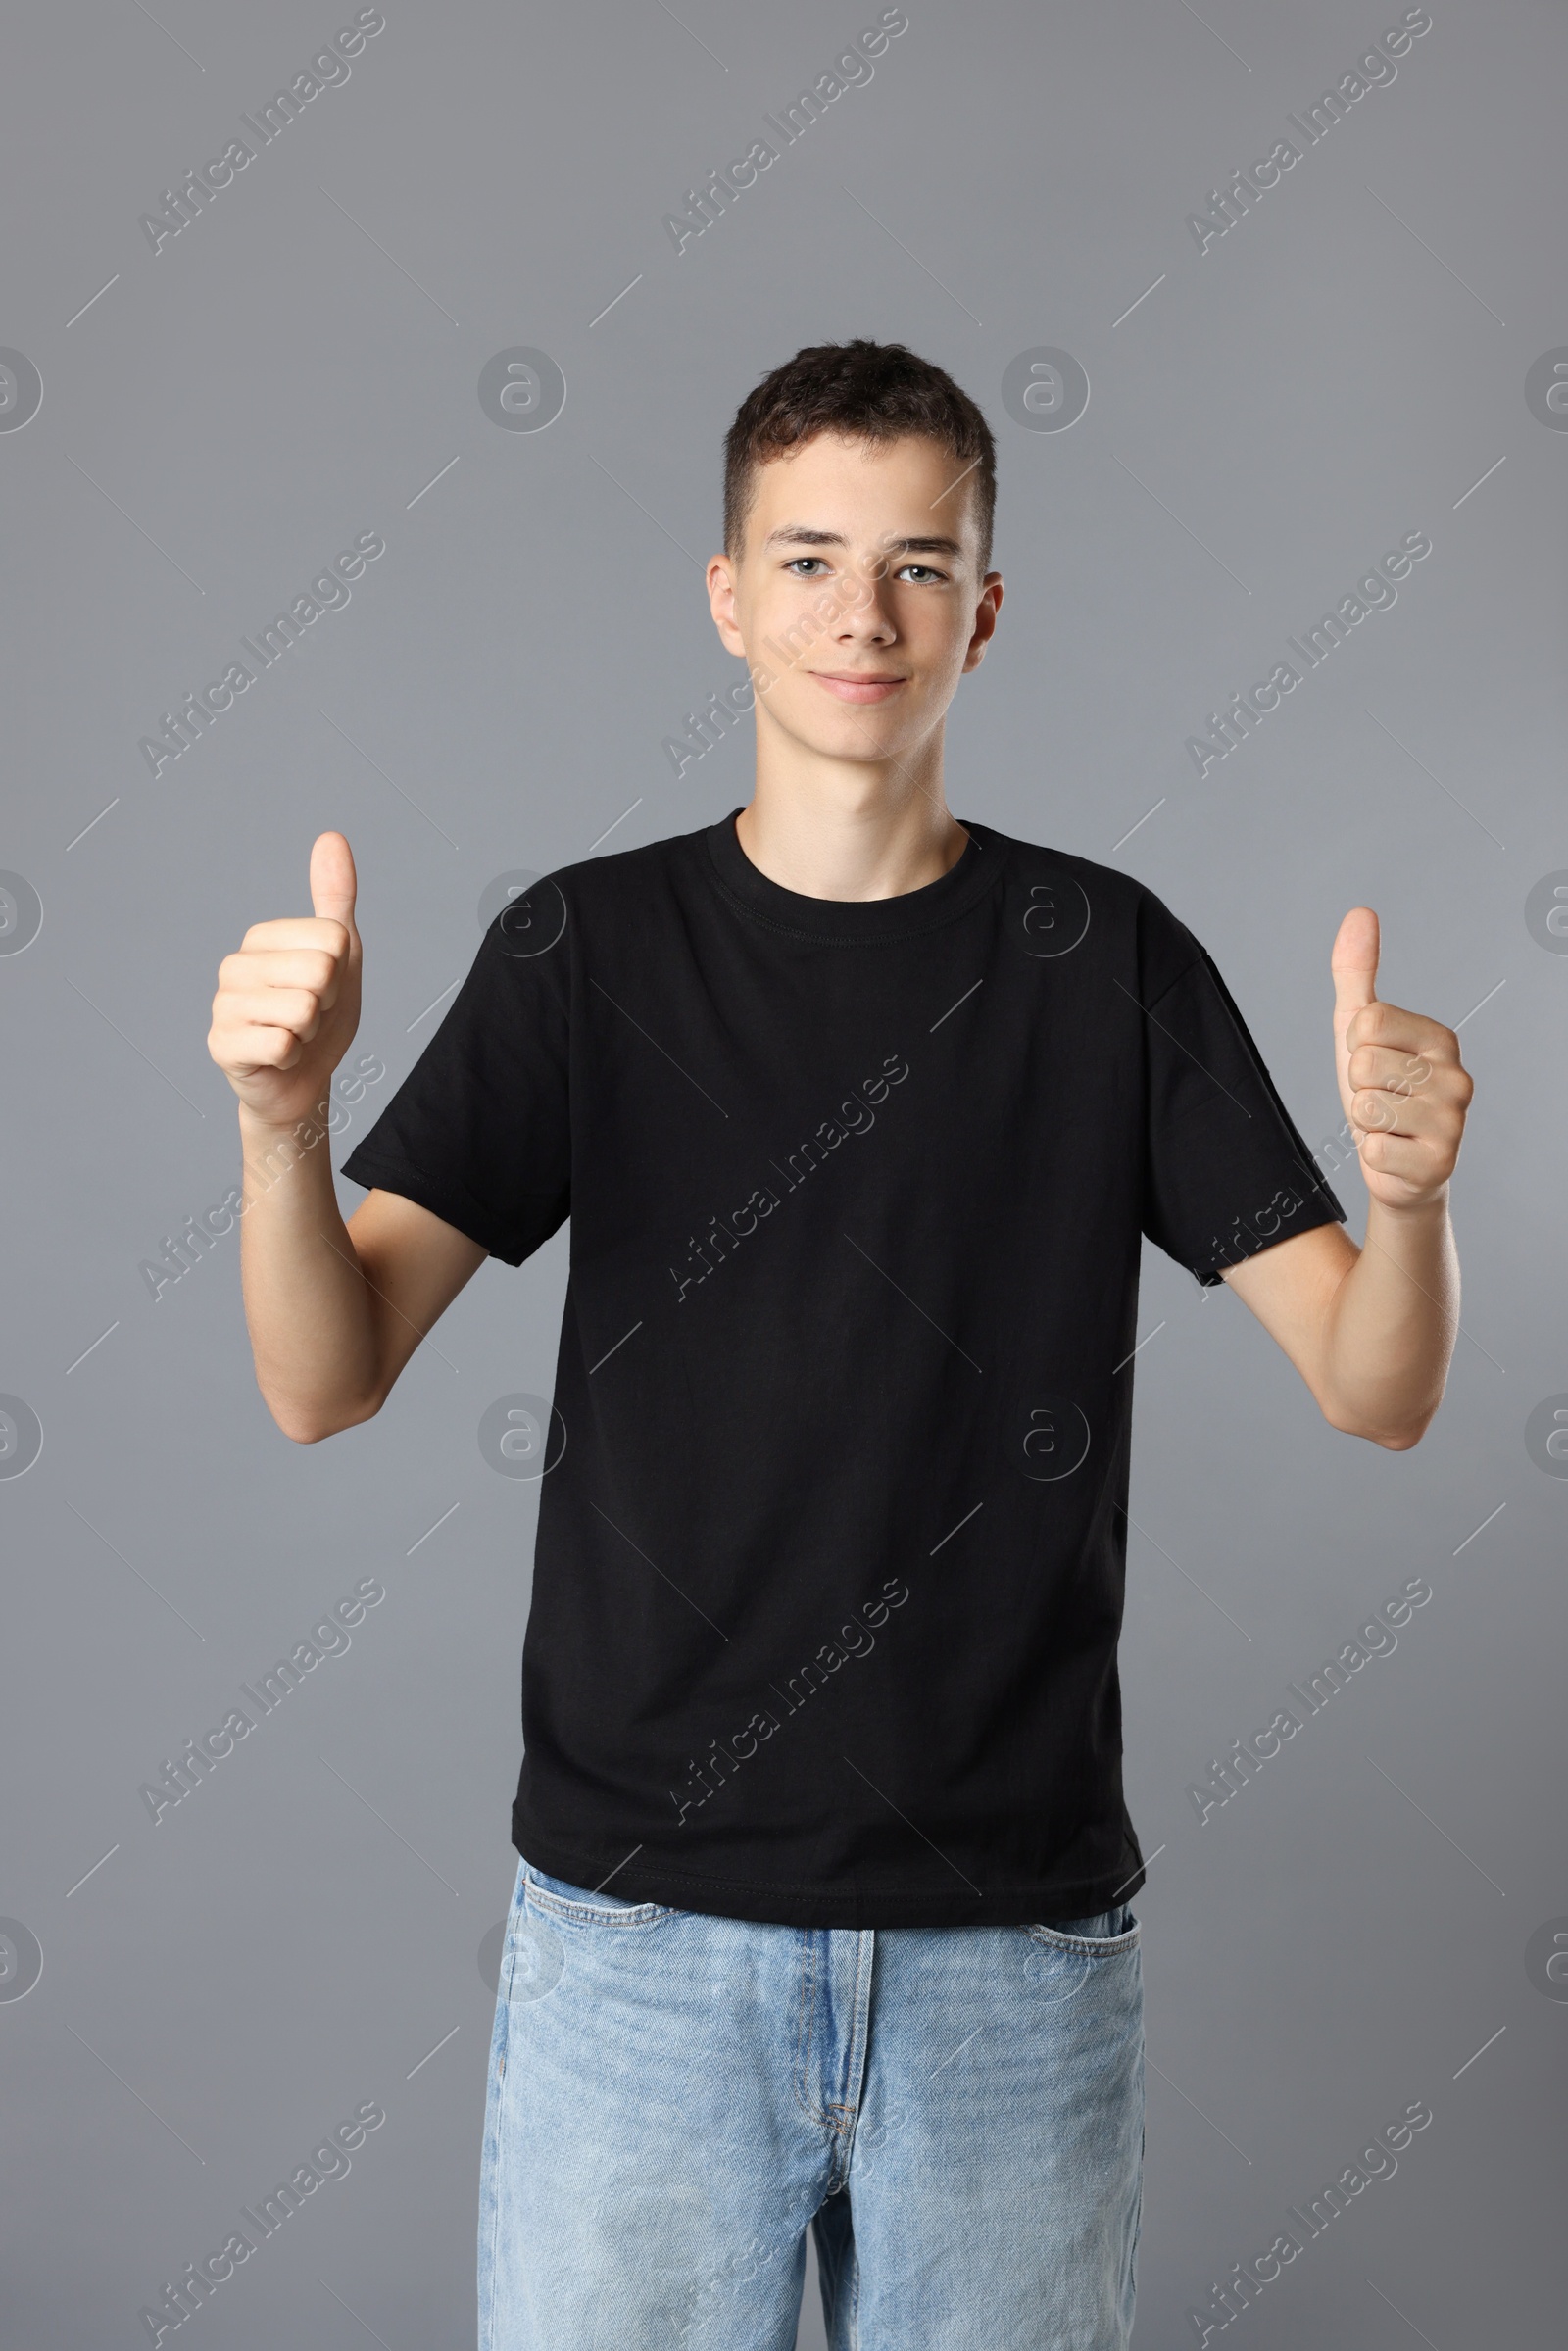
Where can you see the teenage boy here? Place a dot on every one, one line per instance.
(860, 1115)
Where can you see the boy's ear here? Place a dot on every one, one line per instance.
(721, 602)
(984, 620)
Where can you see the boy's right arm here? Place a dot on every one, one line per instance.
(335, 1309)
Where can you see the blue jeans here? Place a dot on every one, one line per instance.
(957, 2112)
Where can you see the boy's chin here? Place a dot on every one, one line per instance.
(860, 751)
(857, 740)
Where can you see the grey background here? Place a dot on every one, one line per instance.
(294, 369)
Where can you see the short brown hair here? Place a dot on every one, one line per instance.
(869, 392)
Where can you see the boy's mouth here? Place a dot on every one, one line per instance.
(858, 685)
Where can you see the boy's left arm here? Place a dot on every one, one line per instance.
(1371, 1330)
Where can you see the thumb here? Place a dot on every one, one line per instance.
(333, 880)
(1354, 963)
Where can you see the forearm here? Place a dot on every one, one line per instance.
(313, 1329)
(1389, 1325)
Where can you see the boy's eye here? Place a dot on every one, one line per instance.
(807, 566)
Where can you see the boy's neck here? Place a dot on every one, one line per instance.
(855, 835)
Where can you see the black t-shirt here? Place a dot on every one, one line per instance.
(832, 1535)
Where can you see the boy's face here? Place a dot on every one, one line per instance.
(858, 598)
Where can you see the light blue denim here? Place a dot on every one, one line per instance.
(957, 2113)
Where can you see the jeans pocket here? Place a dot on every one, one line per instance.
(1104, 1934)
(578, 1906)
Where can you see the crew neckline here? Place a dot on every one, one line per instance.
(848, 921)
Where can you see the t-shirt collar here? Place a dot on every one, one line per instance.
(848, 921)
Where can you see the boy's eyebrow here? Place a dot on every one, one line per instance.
(801, 534)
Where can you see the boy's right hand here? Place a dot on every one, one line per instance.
(288, 1003)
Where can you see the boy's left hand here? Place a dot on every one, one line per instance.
(1405, 1088)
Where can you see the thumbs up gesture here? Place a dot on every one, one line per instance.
(1404, 1090)
(288, 1002)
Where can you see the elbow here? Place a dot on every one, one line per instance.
(1394, 1438)
(1399, 1441)
(310, 1427)
(299, 1431)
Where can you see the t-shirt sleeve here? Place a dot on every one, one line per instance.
(1226, 1173)
(479, 1132)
